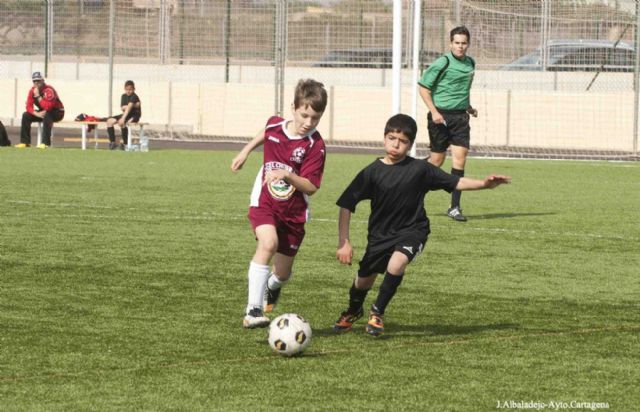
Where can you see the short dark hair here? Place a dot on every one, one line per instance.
(312, 93)
(403, 124)
(460, 30)
(129, 83)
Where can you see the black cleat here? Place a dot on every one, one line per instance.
(255, 319)
(455, 213)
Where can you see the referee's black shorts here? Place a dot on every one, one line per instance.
(456, 132)
(376, 257)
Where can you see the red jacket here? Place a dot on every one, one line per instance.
(49, 100)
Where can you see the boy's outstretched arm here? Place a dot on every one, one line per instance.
(345, 250)
(238, 161)
(489, 182)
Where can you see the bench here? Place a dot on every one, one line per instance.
(85, 130)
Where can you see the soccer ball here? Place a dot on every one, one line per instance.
(289, 334)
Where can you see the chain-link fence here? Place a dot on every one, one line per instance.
(551, 75)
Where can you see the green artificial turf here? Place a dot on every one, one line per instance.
(123, 286)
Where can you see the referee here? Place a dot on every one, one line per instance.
(445, 89)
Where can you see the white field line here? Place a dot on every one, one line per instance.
(167, 214)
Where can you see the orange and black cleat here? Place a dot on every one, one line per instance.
(375, 326)
(346, 321)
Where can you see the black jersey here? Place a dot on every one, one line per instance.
(397, 196)
(126, 99)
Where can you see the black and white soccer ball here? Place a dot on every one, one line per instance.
(289, 334)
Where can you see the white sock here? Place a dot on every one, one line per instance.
(274, 283)
(258, 275)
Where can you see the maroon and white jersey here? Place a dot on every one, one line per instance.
(302, 155)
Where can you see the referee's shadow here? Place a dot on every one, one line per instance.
(488, 216)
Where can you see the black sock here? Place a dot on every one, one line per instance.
(125, 135)
(356, 298)
(387, 290)
(456, 194)
(112, 134)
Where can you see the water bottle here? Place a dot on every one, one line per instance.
(144, 143)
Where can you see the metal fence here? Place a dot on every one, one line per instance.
(344, 43)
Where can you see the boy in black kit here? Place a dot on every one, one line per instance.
(398, 227)
(131, 113)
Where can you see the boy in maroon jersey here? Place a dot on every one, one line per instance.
(294, 156)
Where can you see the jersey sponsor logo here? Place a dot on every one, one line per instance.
(298, 155)
(280, 189)
(273, 139)
(408, 248)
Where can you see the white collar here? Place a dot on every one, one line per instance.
(296, 137)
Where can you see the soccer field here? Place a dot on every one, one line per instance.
(123, 285)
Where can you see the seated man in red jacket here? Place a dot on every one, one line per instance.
(43, 105)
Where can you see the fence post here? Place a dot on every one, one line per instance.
(227, 41)
(332, 103)
(415, 55)
(396, 57)
(181, 46)
(112, 18)
(545, 28)
(636, 80)
(280, 54)
(47, 25)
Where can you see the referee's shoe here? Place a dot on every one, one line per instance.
(455, 213)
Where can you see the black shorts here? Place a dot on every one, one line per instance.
(456, 132)
(376, 258)
(131, 118)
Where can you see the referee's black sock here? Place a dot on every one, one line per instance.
(356, 298)
(456, 194)
(387, 290)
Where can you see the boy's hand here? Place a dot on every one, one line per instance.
(275, 175)
(496, 180)
(345, 253)
(472, 111)
(238, 161)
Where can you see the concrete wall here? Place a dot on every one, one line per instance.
(557, 114)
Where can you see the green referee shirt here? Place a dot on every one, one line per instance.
(450, 90)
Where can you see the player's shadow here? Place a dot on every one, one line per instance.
(446, 330)
(393, 329)
(507, 215)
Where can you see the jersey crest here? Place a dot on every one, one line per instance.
(281, 190)
(298, 155)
